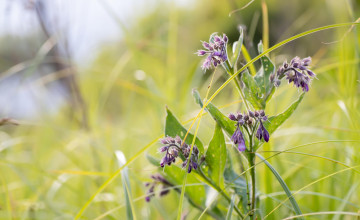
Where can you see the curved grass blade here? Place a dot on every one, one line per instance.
(191, 149)
(113, 176)
(284, 186)
(181, 201)
(231, 208)
(324, 213)
(327, 196)
(310, 184)
(130, 212)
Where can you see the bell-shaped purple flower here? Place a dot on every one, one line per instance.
(238, 139)
(262, 133)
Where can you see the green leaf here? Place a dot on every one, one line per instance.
(262, 77)
(154, 161)
(173, 128)
(196, 193)
(284, 186)
(216, 156)
(237, 48)
(231, 208)
(252, 90)
(225, 123)
(275, 121)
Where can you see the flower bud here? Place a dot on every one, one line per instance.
(262, 113)
(232, 117)
(196, 150)
(272, 77)
(241, 122)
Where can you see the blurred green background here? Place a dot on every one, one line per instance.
(87, 107)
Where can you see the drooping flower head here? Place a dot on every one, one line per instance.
(249, 122)
(296, 72)
(173, 147)
(215, 50)
(238, 137)
(261, 132)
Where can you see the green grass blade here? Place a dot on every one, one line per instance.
(310, 184)
(284, 186)
(113, 176)
(130, 212)
(231, 208)
(325, 213)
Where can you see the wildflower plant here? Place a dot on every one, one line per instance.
(185, 156)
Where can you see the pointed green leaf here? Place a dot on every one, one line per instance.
(262, 77)
(237, 48)
(197, 97)
(173, 128)
(218, 116)
(154, 161)
(275, 121)
(251, 90)
(284, 186)
(216, 156)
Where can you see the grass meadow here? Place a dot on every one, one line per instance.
(54, 167)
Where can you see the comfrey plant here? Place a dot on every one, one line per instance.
(246, 131)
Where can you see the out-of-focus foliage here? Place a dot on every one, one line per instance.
(51, 168)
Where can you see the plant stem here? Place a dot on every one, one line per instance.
(253, 179)
(230, 71)
(210, 182)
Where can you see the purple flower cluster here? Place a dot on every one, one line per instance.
(157, 180)
(249, 122)
(215, 51)
(174, 146)
(261, 133)
(296, 71)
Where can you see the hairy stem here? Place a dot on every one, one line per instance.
(210, 182)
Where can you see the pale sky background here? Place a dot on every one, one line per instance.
(87, 24)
